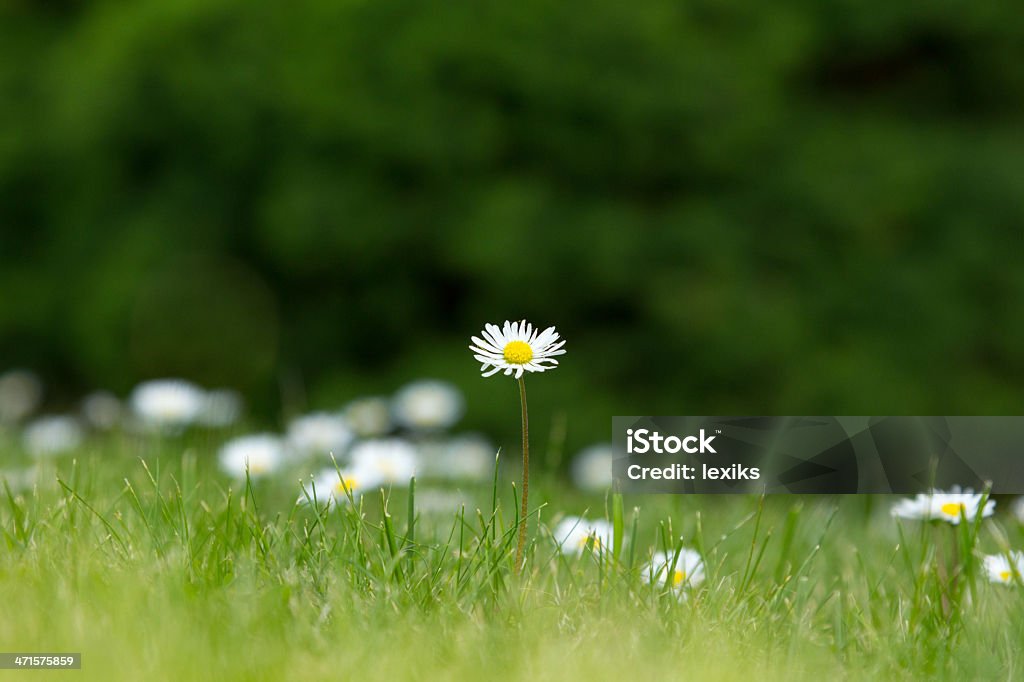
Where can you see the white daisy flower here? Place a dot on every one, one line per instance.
(1018, 509)
(222, 407)
(428, 405)
(320, 433)
(943, 506)
(102, 410)
(20, 395)
(465, 457)
(574, 534)
(167, 403)
(261, 454)
(393, 460)
(49, 436)
(337, 485)
(19, 479)
(516, 348)
(368, 417)
(440, 502)
(592, 467)
(688, 570)
(1005, 569)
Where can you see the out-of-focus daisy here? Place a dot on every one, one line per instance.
(574, 534)
(943, 506)
(167, 403)
(516, 348)
(1005, 569)
(102, 410)
(18, 479)
(261, 453)
(369, 417)
(1018, 509)
(465, 457)
(221, 407)
(20, 395)
(428, 405)
(393, 460)
(592, 467)
(48, 436)
(439, 502)
(688, 570)
(337, 485)
(319, 433)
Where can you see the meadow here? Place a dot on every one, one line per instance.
(137, 552)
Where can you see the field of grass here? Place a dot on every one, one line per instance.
(155, 566)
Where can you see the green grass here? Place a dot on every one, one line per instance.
(156, 567)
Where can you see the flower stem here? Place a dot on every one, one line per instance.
(521, 545)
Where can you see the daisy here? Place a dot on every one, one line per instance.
(390, 460)
(686, 571)
(368, 417)
(469, 457)
(339, 485)
(1005, 568)
(942, 506)
(516, 348)
(428, 405)
(102, 410)
(49, 436)
(167, 403)
(574, 534)
(260, 454)
(21, 392)
(319, 433)
(1018, 509)
(592, 468)
(222, 407)
(18, 480)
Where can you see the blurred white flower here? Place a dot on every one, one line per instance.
(368, 417)
(1018, 509)
(51, 436)
(262, 454)
(439, 502)
(18, 479)
(337, 485)
(20, 395)
(102, 410)
(574, 534)
(393, 460)
(428, 405)
(516, 348)
(592, 467)
(467, 457)
(943, 506)
(688, 570)
(319, 433)
(167, 403)
(1005, 569)
(221, 407)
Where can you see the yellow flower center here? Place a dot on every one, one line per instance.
(1004, 576)
(518, 352)
(953, 508)
(258, 467)
(678, 578)
(587, 539)
(345, 484)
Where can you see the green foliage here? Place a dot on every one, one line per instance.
(725, 207)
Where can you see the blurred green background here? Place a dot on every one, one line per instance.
(800, 207)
